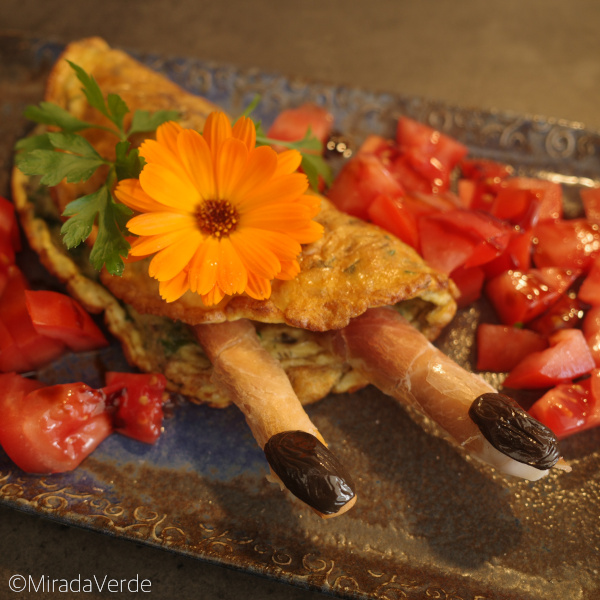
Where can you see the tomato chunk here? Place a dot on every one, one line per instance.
(432, 154)
(392, 215)
(9, 228)
(138, 398)
(501, 348)
(60, 317)
(50, 429)
(567, 357)
(520, 296)
(571, 244)
(35, 349)
(591, 331)
(590, 198)
(361, 180)
(292, 124)
(570, 407)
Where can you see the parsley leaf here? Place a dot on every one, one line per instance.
(34, 142)
(128, 163)
(55, 166)
(110, 245)
(48, 113)
(144, 121)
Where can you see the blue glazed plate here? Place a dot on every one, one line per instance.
(428, 523)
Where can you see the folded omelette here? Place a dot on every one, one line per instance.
(353, 267)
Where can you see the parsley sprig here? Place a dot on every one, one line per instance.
(65, 154)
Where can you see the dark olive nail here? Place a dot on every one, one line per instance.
(514, 432)
(309, 470)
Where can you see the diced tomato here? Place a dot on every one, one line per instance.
(430, 153)
(12, 358)
(566, 313)
(444, 248)
(469, 282)
(60, 317)
(138, 398)
(292, 124)
(516, 256)
(568, 244)
(568, 357)
(591, 330)
(461, 238)
(360, 181)
(590, 197)
(50, 429)
(589, 291)
(520, 207)
(501, 347)
(570, 407)
(483, 169)
(36, 349)
(9, 228)
(549, 194)
(520, 296)
(392, 215)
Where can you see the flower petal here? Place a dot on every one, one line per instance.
(245, 131)
(230, 163)
(289, 270)
(283, 246)
(257, 258)
(197, 160)
(258, 288)
(286, 188)
(165, 187)
(131, 194)
(149, 244)
(288, 161)
(156, 223)
(170, 261)
(231, 274)
(166, 135)
(259, 169)
(202, 273)
(216, 130)
(173, 289)
(213, 297)
(155, 154)
(279, 216)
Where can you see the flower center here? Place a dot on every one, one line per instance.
(217, 217)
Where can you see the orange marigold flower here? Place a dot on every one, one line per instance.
(220, 216)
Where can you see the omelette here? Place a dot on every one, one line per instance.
(355, 266)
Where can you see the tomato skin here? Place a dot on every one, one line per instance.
(548, 193)
(60, 317)
(515, 257)
(571, 244)
(500, 348)
(589, 291)
(520, 296)
(9, 228)
(432, 154)
(36, 349)
(569, 407)
(469, 282)
(591, 331)
(50, 429)
(292, 124)
(360, 181)
(567, 357)
(138, 398)
(392, 215)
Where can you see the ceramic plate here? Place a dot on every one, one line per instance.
(428, 523)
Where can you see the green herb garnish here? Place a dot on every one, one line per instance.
(65, 154)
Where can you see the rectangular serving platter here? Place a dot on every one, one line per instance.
(429, 522)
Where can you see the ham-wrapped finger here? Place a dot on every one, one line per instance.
(397, 359)
(259, 386)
